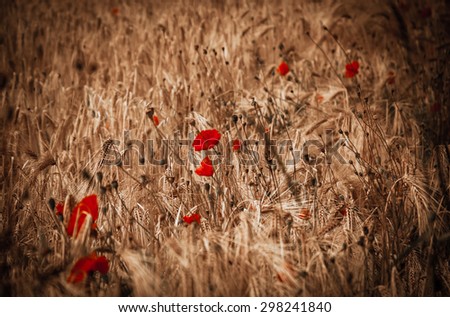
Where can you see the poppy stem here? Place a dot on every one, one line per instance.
(326, 56)
(338, 43)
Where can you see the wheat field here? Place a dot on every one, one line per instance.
(340, 187)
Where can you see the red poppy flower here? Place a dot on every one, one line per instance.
(237, 145)
(205, 168)
(87, 206)
(115, 11)
(59, 209)
(304, 214)
(87, 265)
(343, 210)
(190, 219)
(206, 140)
(155, 120)
(351, 69)
(283, 69)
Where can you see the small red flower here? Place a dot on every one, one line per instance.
(190, 219)
(205, 168)
(59, 209)
(351, 69)
(206, 140)
(237, 145)
(115, 11)
(87, 206)
(343, 210)
(319, 98)
(304, 214)
(283, 68)
(156, 120)
(87, 265)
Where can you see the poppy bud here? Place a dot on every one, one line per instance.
(79, 65)
(361, 241)
(99, 177)
(51, 203)
(150, 112)
(86, 175)
(365, 230)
